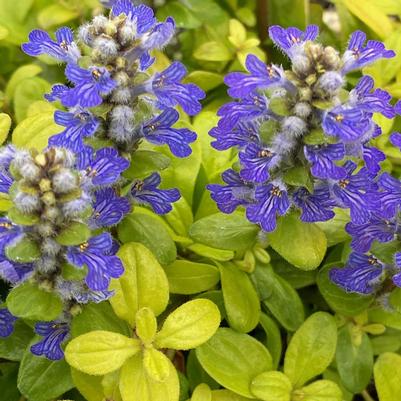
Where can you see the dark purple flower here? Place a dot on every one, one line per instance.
(54, 334)
(235, 193)
(7, 321)
(159, 35)
(145, 61)
(146, 192)
(376, 229)
(12, 272)
(101, 266)
(271, 200)
(315, 207)
(287, 38)
(358, 55)
(397, 277)
(159, 131)
(141, 15)
(79, 125)
(86, 296)
(108, 208)
(90, 85)
(347, 124)
(63, 49)
(169, 90)
(362, 274)
(56, 93)
(256, 161)
(9, 233)
(105, 167)
(395, 139)
(260, 76)
(322, 159)
(356, 192)
(372, 158)
(390, 196)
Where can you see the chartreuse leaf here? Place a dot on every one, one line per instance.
(76, 233)
(110, 384)
(233, 359)
(272, 386)
(56, 14)
(26, 71)
(202, 393)
(311, 349)
(190, 325)
(240, 298)
(211, 253)
(17, 217)
(145, 162)
(24, 251)
(5, 124)
(136, 384)
(321, 390)
(146, 325)
(227, 395)
(100, 352)
(28, 301)
(225, 231)
(273, 343)
(354, 357)
(196, 374)
(89, 386)
(156, 364)
(387, 374)
(187, 277)
(40, 379)
(308, 242)
(143, 284)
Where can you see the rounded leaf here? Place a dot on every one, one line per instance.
(311, 349)
(321, 390)
(202, 392)
(190, 325)
(100, 352)
(233, 359)
(5, 124)
(272, 386)
(387, 373)
(156, 364)
(146, 325)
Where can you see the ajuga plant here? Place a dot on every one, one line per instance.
(303, 135)
(57, 247)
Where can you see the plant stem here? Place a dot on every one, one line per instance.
(366, 396)
(262, 13)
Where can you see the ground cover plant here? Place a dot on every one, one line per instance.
(200, 200)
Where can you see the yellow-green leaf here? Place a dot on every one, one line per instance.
(5, 124)
(272, 386)
(146, 325)
(100, 352)
(387, 373)
(156, 364)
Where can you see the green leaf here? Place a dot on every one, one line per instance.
(183, 16)
(156, 364)
(299, 176)
(146, 325)
(136, 384)
(202, 393)
(34, 132)
(146, 162)
(8, 382)
(346, 303)
(387, 373)
(76, 233)
(273, 340)
(225, 231)
(187, 277)
(21, 73)
(100, 352)
(321, 390)
(272, 386)
(14, 346)
(233, 359)
(98, 317)
(143, 284)
(213, 51)
(206, 80)
(354, 359)
(56, 14)
(287, 13)
(240, 298)
(89, 386)
(308, 242)
(311, 349)
(387, 317)
(40, 379)
(5, 125)
(139, 227)
(180, 217)
(28, 301)
(17, 217)
(211, 253)
(24, 251)
(190, 325)
(196, 374)
(335, 227)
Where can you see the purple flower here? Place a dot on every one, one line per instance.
(94, 255)
(63, 49)
(390, 196)
(142, 16)
(348, 124)
(288, 38)
(108, 208)
(105, 168)
(358, 55)
(362, 274)
(54, 334)
(315, 207)
(170, 92)
(56, 93)
(376, 229)
(14, 273)
(90, 85)
(322, 159)
(9, 233)
(256, 161)
(356, 192)
(271, 199)
(395, 139)
(7, 321)
(159, 35)
(79, 125)
(146, 192)
(159, 131)
(235, 193)
(372, 158)
(261, 77)
(397, 277)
